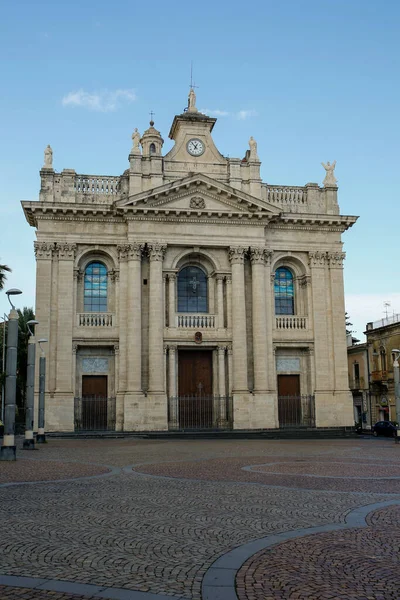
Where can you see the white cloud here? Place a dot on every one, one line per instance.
(104, 101)
(245, 114)
(241, 114)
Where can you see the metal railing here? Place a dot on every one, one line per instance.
(296, 411)
(94, 413)
(395, 318)
(93, 319)
(291, 322)
(200, 412)
(200, 321)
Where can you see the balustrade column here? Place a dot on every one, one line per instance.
(134, 318)
(259, 320)
(220, 300)
(156, 313)
(172, 299)
(239, 341)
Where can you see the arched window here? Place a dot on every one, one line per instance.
(95, 288)
(192, 290)
(152, 149)
(284, 292)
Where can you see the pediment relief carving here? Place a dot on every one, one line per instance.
(198, 193)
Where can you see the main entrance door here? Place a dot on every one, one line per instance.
(195, 389)
(94, 402)
(289, 400)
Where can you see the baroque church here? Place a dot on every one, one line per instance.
(186, 293)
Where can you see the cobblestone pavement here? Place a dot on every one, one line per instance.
(13, 593)
(158, 534)
(24, 469)
(350, 564)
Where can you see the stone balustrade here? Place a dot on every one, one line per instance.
(201, 321)
(96, 185)
(93, 319)
(291, 322)
(290, 196)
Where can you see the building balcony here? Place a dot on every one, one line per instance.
(195, 321)
(93, 319)
(377, 376)
(357, 383)
(291, 322)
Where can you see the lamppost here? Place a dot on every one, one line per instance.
(8, 449)
(3, 366)
(29, 442)
(396, 376)
(41, 437)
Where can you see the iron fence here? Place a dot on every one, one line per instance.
(94, 413)
(200, 412)
(296, 411)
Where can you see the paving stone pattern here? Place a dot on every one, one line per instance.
(158, 534)
(349, 564)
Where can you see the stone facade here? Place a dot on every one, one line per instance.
(193, 208)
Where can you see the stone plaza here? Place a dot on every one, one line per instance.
(219, 519)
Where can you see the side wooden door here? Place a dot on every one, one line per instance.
(289, 400)
(94, 402)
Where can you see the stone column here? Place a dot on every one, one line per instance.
(171, 300)
(229, 301)
(343, 397)
(220, 300)
(156, 312)
(221, 386)
(122, 311)
(239, 345)
(270, 312)
(64, 400)
(133, 323)
(173, 393)
(259, 320)
(46, 313)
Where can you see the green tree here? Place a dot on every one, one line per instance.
(3, 270)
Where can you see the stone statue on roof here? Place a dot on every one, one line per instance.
(330, 178)
(48, 157)
(136, 141)
(253, 149)
(192, 101)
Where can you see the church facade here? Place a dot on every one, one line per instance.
(186, 293)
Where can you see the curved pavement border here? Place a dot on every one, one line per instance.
(219, 579)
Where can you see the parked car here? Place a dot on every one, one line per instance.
(386, 428)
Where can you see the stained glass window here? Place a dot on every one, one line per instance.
(95, 288)
(192, 290)
(284, 292)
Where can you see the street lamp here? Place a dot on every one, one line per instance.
(3, 366)
(29, 442)
(8, 449)
(41, 437)
(396, 376)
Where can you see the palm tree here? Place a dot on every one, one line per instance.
(3, 269)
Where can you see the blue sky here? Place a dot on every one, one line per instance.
(311, 81)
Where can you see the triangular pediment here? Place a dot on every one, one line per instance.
(200, 194)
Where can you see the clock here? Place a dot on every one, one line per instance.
(195, 147)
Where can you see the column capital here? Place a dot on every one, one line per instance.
(268, 255)
(229, 279)
(172, 276)
(44, 249)
(219, 277)
(257, 255)
(66, 250)
(78, 274)
(229, 349)
(116, 348)
(156, 251)
(317, 258)
(304, 280)
(113, 274)
(123, 250)
(221, 350)
(335, 259)
(135, 251)
(172, 348)
(237, 254)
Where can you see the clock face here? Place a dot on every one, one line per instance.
(195, 147)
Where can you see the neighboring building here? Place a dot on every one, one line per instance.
(382, 337)
(187, 293)
(357, 358)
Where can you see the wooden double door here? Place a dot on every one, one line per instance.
(195, 389)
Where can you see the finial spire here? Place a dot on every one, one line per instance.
(151, 113)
